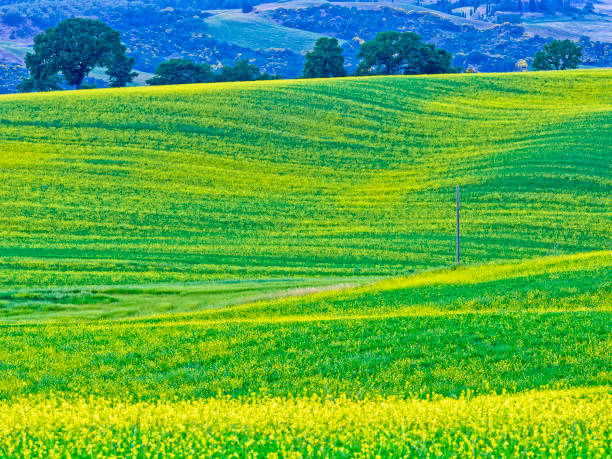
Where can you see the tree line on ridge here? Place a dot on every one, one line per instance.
(64, 55)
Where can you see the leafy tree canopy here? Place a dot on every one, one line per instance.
(184, 71)
(558, 55)
(73, 48)
(325, 60)
(240, 71)
(395, 52)
(181, 71)
(247, 6)
(40, 84)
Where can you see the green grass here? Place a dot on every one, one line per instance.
(350, 177)
(267, 268)
(256, 32)
(492, 328)
(501, 360)
(111, 302)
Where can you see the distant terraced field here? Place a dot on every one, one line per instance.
(266, 269)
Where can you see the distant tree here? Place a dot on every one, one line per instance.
(40, 84)
(267, 76)
(545, 7)
(558, 55)
(247, 6)
(181, 71)
(521, 65)
(433, 61)
(73, 48)
(13, 19)
(184, 71)
(240, 71)
(120, 71)
(589, 8)
(384, 54)
(394, 52)
(42, 77)
(325, 60)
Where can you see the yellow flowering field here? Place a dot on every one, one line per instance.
(265, 269)
(554, 423)
(498, 360)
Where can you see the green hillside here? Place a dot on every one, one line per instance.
(266, 269)
(439, 332)
(351, 177)
(256, 32)
(502, 359)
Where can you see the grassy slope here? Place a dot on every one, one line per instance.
(255, 32)
(258, 377)
(486, 328)
(112, 302)
(301, 178)
(598, 28)
(296, 178)
(19, 51)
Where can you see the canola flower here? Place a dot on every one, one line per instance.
(541, 423)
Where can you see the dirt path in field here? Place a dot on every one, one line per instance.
(309, 290)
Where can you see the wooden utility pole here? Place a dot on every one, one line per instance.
(458, 257)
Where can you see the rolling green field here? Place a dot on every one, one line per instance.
(256, 32)
(265, 269)
(493, 360)
(353, 177)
